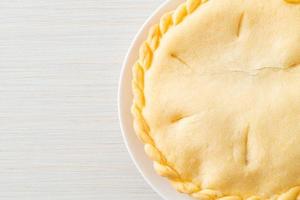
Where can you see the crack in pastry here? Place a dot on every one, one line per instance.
(175, 56)
(256, 71)
(294, 65)
(176, 118)
(240, 24)
(246, 145)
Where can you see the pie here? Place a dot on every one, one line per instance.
(217, 98)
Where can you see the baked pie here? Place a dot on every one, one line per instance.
(217, 98)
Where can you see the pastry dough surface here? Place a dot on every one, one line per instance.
(222, 97)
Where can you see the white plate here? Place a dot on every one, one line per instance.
(134, 146)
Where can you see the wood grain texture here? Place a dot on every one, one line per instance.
(59, 68)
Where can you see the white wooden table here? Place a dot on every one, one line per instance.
(59, 68)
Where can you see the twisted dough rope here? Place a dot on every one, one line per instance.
(161, 165)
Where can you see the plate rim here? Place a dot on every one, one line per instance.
(166, 6)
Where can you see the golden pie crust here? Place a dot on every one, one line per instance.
(217, 98)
